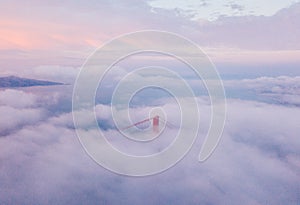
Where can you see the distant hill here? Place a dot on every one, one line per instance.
(13, 81)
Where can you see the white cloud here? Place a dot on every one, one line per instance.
(281, 89)
(30, 106)
(211, 10)
(17, 98)
(12, 118)
(255, 162)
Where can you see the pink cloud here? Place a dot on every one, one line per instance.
(65, 34)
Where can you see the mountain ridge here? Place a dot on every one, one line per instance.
(15, 81)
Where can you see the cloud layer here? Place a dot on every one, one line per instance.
(256, 162)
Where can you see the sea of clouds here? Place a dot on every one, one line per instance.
(256, 162)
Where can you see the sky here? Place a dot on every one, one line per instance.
(212, 10)
(62, 32)
(255, 48)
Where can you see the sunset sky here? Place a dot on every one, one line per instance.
(36, 33)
